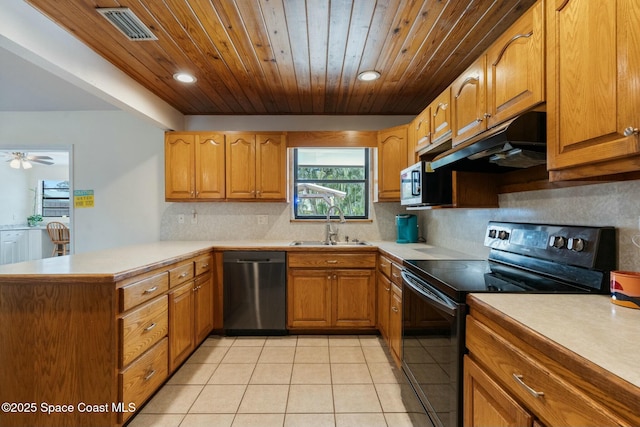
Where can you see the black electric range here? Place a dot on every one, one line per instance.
(533, 258)
(528, 258)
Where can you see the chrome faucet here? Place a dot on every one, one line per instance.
(331, 235)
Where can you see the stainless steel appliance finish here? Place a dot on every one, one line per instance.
(534, 258)
(421, 186)
(254, 293)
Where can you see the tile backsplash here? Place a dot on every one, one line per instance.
(611, 204)
(241, 221)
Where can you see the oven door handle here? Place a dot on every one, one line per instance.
(441, 301)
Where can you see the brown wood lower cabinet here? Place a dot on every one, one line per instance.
(389, 300)
(509, 380)
(331, 290)
(190, 315)
(108, 340)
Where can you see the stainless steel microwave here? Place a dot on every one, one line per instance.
(421, 186)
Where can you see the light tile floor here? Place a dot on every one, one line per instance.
(291, 381)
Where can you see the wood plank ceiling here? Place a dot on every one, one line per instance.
(294, 56)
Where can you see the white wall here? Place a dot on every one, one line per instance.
(116, 154)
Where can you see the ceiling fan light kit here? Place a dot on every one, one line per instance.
(24, 160)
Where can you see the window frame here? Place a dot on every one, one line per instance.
(43, 197)
(366, 181)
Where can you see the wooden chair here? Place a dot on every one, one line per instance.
(59, 234)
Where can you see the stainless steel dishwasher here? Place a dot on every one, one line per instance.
(255, 293)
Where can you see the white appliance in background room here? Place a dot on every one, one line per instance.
(25, 175)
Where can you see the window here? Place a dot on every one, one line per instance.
(55, 198)
(331, 176)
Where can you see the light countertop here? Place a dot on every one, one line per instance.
(588, 325)
(121, 260)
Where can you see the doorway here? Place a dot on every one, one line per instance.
(34, 181)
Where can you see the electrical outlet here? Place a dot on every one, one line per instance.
(181, 219)
(263, 219)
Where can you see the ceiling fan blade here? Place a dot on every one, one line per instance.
(44, 162)
(39, 158)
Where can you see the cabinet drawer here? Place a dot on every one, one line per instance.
(142, 328)
(384, 265)
(180, 274)
(332, 260)
(203, 264)
(395, 274)
(143, 377)
(143, 290)
(523, 376)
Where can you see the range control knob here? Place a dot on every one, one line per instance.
(576, 244)
(492, 233)
(503, 235)
(557, 242)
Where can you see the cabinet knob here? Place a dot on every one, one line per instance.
(631, 131)
(395, 309)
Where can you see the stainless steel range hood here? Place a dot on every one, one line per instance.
(518, 143)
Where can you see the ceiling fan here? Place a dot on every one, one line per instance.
(24, 160)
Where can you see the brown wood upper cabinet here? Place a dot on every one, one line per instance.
(469, 102)
(194, 166)
(392, 158)
(593, 106)
(515, 68)
(507, 80)
(432, 127)
(256, 166)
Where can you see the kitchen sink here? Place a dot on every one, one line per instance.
(321, 243)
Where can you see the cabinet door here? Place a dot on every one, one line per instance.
(240, 166)
(14, 246)
(210, 166)
(384, 299)
(469, 102)
(392, 158)
(354, 302)
(203, 303)
(487, 404)
(395, 324)
(179, 163)
(515, 67)
(441, 117)
(308, 298)
(593, 60)
(421, 128)
(271, 167)
(181, 325)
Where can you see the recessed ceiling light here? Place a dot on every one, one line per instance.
(368, 76)
(184, 78)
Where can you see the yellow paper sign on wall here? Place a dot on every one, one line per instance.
(83, 198)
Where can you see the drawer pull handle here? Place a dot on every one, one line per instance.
(183, 275)
(395, 276)
(332, 261)
(387, 289)
(395, 309)
(149, 375)
(150, 327)
(151, 290)
(205, 266)
(531, 391)
(384, 265)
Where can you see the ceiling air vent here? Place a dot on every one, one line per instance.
(127, 22)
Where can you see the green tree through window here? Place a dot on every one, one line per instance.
(331, 176)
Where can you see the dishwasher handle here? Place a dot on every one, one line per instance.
(255, 261)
